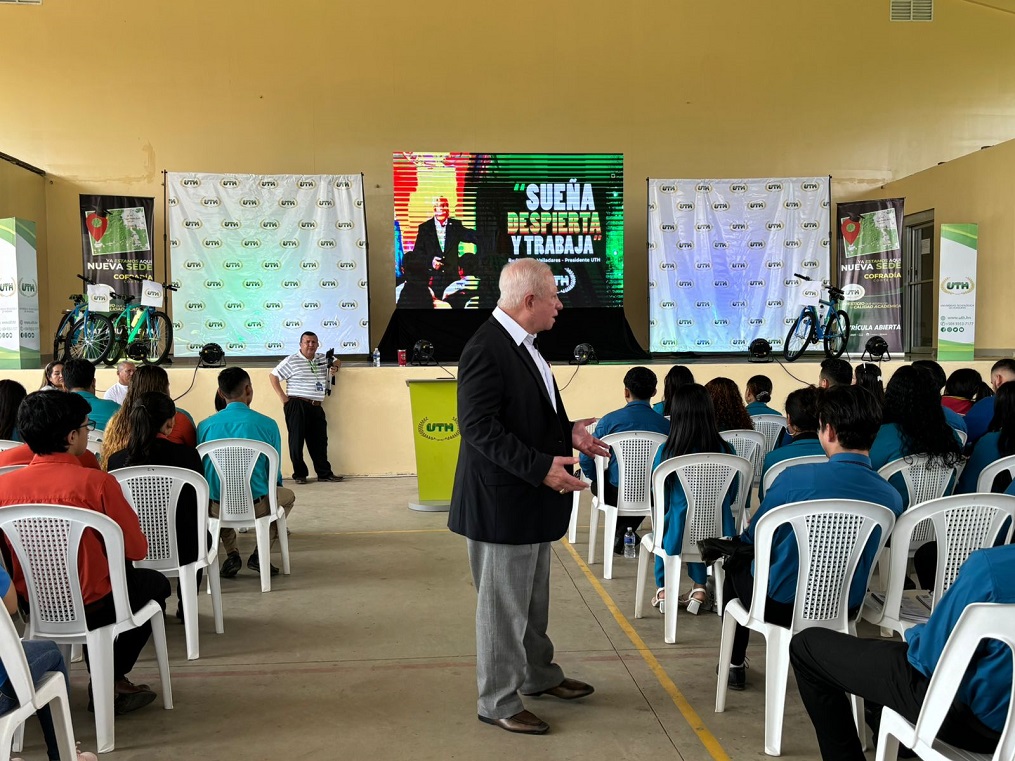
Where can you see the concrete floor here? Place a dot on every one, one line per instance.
(367, 651)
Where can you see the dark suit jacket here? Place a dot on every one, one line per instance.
(510, 435)
(427, 246)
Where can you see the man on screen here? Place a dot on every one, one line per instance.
(437, 242)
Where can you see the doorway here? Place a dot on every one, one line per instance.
(918, 252)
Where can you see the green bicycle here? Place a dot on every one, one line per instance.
(141, 333)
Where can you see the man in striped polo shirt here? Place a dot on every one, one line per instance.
(306, 376)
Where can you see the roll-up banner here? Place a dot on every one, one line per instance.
(259, 259)
(116, 240)
(870, 270)
(956, 310)
(19, 295)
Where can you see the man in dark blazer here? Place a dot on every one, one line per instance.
(512, 495)
(436, 244)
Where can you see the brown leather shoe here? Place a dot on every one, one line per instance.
(523, 722)
(569, 689)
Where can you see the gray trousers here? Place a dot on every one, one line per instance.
(513, 651)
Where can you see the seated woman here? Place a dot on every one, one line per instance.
(730, 412)
(913, 423)
(147, 378)
(150, 419)
(868, 376)
(12, 394)
(758, 394)
(692, 430)
(998, 442)
(802, 427)
(52, 377)
(963, 389)
(677, 376)
(43, 657)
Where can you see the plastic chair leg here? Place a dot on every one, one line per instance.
(188, 595)
(17, 740)
(671, 566)
(776, 677)
(162, 656)
(572, 526)
(263, 533)
(215, 589)
(719, 575)
(593, 533)
(609, 532)
(100, 647)
(644, 556)
(729, 625)
(62, 725)
(283, 542)
(77, 654)
(862, 730)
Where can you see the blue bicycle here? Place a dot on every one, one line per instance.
(814, 325)
(83, 334)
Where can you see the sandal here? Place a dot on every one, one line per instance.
(694, 600)
(659, 600)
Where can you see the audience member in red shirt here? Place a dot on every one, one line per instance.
(22, 455)
(55, 426)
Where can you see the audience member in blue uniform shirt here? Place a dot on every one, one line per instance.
(835, 372)
(802, 427)
(848, 422)
(677, 376)
(982, 413)
(730, 412)
(758, 394)
(693, 430)
(12, 394)
(79, 377)
(939, 378)
(830, 666)
(914, 423)
(636, 415)
(992, 446)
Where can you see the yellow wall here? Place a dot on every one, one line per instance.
(977, 188)
(105, 94)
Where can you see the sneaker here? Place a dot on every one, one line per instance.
(231, 565)
(738, 676)
(127, 697)
(300, 479)
(254, 564)
(332, 478)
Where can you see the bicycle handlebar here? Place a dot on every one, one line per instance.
(87, 280)
(138, 279)
(802, 277)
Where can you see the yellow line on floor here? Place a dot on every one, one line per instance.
(690, 715)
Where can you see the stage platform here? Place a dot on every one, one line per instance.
(369, 424)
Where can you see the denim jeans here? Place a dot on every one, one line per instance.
(42, 657)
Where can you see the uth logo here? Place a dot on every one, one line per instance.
(213, 285)
(306, 184)
(195, 306)
(326, 243)
(267, 183)
(211, 202)
(721, 321)
(685, 284)
(703, 187)
(738, 187)
(792, 204)
(251, 243)
(756, 244)
(234, 306)
(667, 304)
(702, 304)
(791, 243)
(756, 205)
(212, 243)
(215, 324)
(230, 224)
(809, 186)
(311, 305)
(772, 187)
(738, 265)
(774, 265)
(273, 345)
(308, 224)
(757, 284)
(250, 203)
(192, 224)
(667, 265)
(738, 226)
(292, 324)
(438, 430)
(290, 284)
(254, 324)
(703, 265)
(271, 265)
(329, 284)
(350, 344)
(738, 305)
(190, 182)
(347, 265)
(959, 285)
(668, 228)
(720, 206)
(703, 342)
(329, 323)
(232, 265)
(720, 244)
(685, 245)
(310, 265)
(269, 224)
(685, 206)
(287, 203)
(756, 321)
(720, 283)
(348, 305)
(289, 243)
(229, 182)
(325, 203)
(668, 188)
(703, 227)
(193, 264)
(272, 306)
(685, 322)
(342, 184)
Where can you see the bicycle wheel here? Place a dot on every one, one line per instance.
(116, 350)
(90, 338)
(157, 336)
(836, 333)
(60, 337)
(799, 336)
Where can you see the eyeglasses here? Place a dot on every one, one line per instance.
(89, 424)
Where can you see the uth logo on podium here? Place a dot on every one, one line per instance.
(436, 430)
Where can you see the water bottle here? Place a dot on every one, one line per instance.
(630, 544)
(377, 357)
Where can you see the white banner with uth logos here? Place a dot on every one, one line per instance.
(259, 259)
(722, 254)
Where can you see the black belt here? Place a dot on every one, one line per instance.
(312, 402)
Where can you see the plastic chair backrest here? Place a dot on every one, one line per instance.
(635, 452)
(705, 479)
(12, 654)
(6, 444)
(749, 444)
(46, 539)
(234, 461)
(923, 481)
(154, 493)
(962, 436)
(831, 535)
(979, 621)
(988, 474)
(771, 426)
(11, 468)
(776, 470)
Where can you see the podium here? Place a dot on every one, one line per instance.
(436, 439)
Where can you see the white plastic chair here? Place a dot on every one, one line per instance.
(11, 468)
(234, 461)
(992, 471)
(750, 445)
(635, 452)
(978, 622)
(46, 539)
(961, 435)
(572, 527)
(771, 426)
(705, 479)
(962, 524)
(6, 444)
(154, 493)
(776, 470)
(831, 536)
(51, 689)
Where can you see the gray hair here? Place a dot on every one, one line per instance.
(520, 278)
(123, 364)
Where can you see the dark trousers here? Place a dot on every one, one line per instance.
(829, 666)
(740, 584)
(306, 423)
(624, 522)
(143, 585)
